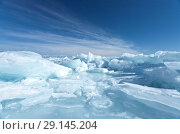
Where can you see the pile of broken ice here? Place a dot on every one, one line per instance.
(89, 86)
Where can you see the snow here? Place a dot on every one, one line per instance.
(28, 64)
(167, 97)
(90, 85)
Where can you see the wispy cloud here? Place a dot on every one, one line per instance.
(56, 31)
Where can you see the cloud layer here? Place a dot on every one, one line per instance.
(52, 29)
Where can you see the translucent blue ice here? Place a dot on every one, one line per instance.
(89, 86)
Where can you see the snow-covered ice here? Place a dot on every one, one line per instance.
(89, 86)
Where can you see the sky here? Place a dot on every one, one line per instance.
(103, 27)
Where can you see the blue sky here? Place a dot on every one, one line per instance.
(105, 27)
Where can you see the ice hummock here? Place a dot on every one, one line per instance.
(89, 86)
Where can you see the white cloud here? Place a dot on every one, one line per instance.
(62, 33)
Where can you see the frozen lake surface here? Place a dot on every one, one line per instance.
(89, 86)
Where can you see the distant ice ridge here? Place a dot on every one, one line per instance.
(158, 57)
(89, 86)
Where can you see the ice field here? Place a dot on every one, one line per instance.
(89, 86)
